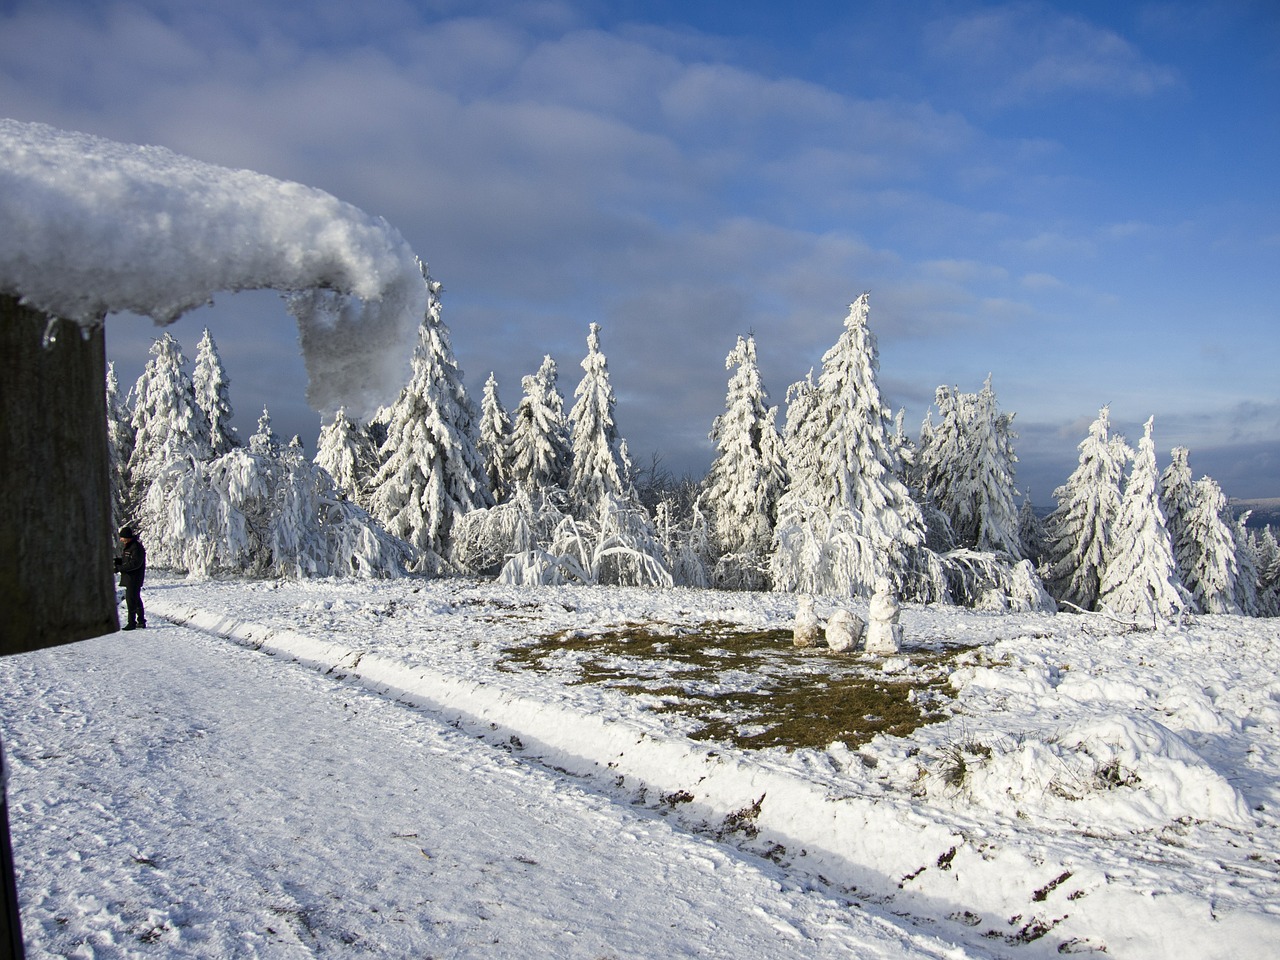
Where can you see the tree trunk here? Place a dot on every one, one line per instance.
(56, 540)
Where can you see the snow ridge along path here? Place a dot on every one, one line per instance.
(962, 884)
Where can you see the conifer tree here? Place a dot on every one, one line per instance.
(967, 470)
(1080, 528)
(495, 440)
(119, 449)
(1268, 552)
(431, 472)
(348, 454)
(213, 396)
(1031, 532)
(540, 448)
(1177, 493)
(847, 520)
(595, 472)
(748, 475)
(1247, 564)
(167, 423)
(801, 440)
(1209, 546)
(264, 441)
(1141, 579)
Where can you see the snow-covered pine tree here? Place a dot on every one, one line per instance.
(495, 440)
(1079, 529)
(1210, 549)
(991, 472)
(846, 520)
(213, 396)
(595, 472)
(801, 439)
(264, 441)
(119, 449)
(941, 451)
(748, 475)
(1031, 532)
(1268, 552)
(347, 453)
(1247, 564)
(167, 423)
(540, 447)
(1140, 579)
(1177, 493)
(967, 470)
(431, 472)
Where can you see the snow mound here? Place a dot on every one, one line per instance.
(1149, 773)
(95, 227)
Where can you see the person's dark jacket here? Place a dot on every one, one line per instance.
(133, 564)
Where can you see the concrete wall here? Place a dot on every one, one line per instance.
(56, 541)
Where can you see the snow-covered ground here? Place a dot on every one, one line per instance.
(390, 782)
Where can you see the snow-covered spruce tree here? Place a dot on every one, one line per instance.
(213, 396)
(119, 449)
(1209, 547)
(1247, 563)
(846, 520)
(967, 470)
(1177, 493)
(1140, 579)
(167, 423)
(612, 540)
(991, 474)
(431, 473)
(264, 441)
(747, 476)
(347, 453)
(540, 448)
(1268, 553)
(1080, 528)
(595, 472)
(1031, 532)
(495, 440)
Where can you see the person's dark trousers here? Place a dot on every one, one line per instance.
(133, 604)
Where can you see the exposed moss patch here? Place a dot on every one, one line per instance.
(750, 689)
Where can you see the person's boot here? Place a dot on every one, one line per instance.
(130, 626)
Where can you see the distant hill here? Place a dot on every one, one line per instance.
(1265, 511)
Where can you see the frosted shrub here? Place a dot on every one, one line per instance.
(616, 546)
(484, 540)
(245, 513)
(821, 553)
(685, 541)
(989, 581)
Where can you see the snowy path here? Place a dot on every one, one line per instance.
(176, 795)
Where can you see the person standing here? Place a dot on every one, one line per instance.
(132, 565)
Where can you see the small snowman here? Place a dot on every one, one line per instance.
(844, 630)
(884, 633)
(805, 631)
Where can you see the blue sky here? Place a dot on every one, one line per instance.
(1079, 199)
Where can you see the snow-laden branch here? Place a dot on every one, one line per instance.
(92, 227)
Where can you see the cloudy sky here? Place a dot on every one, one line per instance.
(1079, 199)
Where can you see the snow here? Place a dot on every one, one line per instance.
(95, 227)
(362, 771)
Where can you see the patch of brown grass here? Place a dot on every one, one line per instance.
(749, 689)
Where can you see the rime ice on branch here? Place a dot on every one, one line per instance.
(93, 227)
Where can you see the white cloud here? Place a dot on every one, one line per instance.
(1022, 52)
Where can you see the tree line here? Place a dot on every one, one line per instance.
(830, 502)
